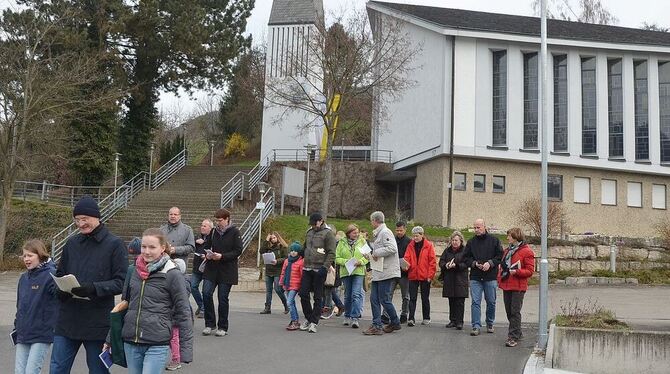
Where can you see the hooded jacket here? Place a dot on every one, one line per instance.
(36, 305)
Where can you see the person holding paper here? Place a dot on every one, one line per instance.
(383, 247)
(201, 244)
(518, 264)
(420, 257)
(276, 246)
(454, 274)
(99, 261)
(352, 272)
(36, 309)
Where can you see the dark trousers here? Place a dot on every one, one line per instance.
(456, 309)
(223, 291)
(513, 304)
(312, 281)
(65, 350)
(425, 298)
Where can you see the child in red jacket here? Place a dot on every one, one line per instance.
(517, 266)
(291, 276)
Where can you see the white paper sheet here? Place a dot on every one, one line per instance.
(351, 264)
(66, 283)
(378, 264)
(269, 258)
(365, 249)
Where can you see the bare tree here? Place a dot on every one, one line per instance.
(349, 60)
(590, 11)
(529, 215)
(40, 90)
(654, 27)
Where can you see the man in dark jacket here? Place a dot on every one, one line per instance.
(319, 257)
(220, 271)
(98, 259)
(402, 241)
(201, 244)
(483, 254)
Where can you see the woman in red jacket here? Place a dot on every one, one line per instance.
(517, 266)
(420, 257)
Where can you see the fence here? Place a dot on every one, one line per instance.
(252, 223)
(57, 194)
(364, 154)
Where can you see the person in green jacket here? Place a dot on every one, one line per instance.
(277, 245)
(348, 250)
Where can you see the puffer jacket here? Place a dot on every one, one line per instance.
(424, 267)
(296, 274)
(155, 305)
(319, 248)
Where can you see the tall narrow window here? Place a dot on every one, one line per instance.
(555, 187)
(530, 100)
(615, 105)
(560, 103)
(589, 112)
(499, 98)
(664, 108)
(641, 111)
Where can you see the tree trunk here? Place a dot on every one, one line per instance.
(327, 176)
(7, 191)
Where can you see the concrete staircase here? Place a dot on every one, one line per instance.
(194, 189)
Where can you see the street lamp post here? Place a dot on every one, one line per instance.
(116, 171)
(260, 205)
(151, 163)
(211, 152)
(310, 148)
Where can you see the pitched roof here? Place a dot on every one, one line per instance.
(529, 26)
(289, 12)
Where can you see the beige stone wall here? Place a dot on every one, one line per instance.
(430, 189)
(522, 181)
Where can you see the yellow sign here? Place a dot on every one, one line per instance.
(334, 107)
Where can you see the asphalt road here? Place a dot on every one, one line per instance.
(260, 344)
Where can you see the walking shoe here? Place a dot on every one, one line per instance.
(425, 322)
(511, 343)
(173, 365)
(221, 332)
(285, 309)
(207, 331)
(198, 312)
(340, 311)
(312, 327)
(474, 332)
(266, 310)
(450, 325)
(489, 329)
(391, 328)
(304, 325)
(372, 330)
(346, 321)
(326, 313)
(410, 322)
(459, 326)
(293, 325)
(385, 319)
(403, 318)
(354, 324)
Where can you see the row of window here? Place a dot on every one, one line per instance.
(589, 105)
(582, 189)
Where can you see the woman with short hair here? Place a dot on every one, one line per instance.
(420, 257)
(454, 273)
(348, 248)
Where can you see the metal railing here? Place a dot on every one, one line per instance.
(168, 170)
(233, 188)
(339, 153)
(57, 194)
(252, 223)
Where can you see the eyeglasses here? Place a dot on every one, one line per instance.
(80, 220)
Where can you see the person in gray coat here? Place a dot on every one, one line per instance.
(157, 299)
(179, 235)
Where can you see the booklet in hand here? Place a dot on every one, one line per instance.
(106, 358)
(12, 335)
(516, 265)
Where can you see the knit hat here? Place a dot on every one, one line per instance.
(296, 247)
(314, 218)
(86, 206)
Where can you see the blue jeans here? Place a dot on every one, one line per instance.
(65, 349)
(208, 299)
(290, 300)
(196, 278)
(489, 290)
(146, 359)
(381, 293)
(353, 295)
(270, 284)
(30, 357)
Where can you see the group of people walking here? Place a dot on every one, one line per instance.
(157, 319)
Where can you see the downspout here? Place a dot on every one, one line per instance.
(450, 185)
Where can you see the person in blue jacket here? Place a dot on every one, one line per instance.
(36, 309)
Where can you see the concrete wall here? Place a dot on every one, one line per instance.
(608, 352)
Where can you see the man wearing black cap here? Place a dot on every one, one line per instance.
(319, 257)
(99, 260)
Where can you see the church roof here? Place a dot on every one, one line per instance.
(291, 12)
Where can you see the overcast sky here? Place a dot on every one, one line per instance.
(631, 13)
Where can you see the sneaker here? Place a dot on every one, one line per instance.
(266, 310)
(403, 318)
(293, 325)
(354, 324)
(304, 326)
(326, 313)
(312, 327)
(450, 325)
(173, 365)
(207, 331)
(511, 343)
(199, 314)
(425, 322)
(346, 321)
(489, 329)
(372, 330)
(410, 322)
(221, 332)
(391, 328)
(474, 332)
(459, 326)
(340, 311)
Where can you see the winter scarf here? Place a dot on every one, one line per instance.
(145, 269)
(507, 261)
(287, 272)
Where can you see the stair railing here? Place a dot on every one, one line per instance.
(236, 185)
(166, 171)
(252, 223)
